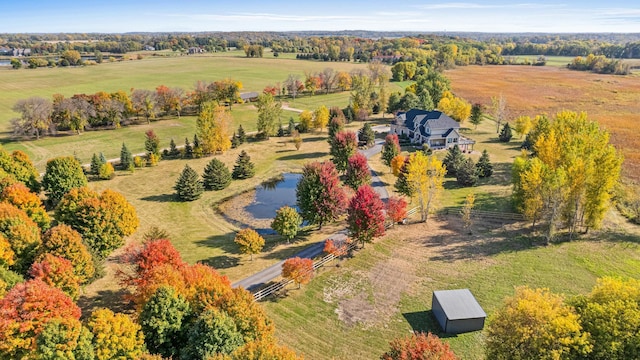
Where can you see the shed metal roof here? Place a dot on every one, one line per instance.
(459, 304)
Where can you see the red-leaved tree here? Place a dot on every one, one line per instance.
(343, 145)
(396, 209)
(358, 173)
(298, 269)
(336, 248)
(57, 272)
(24, 312)
(320, 197)
(419, 347)
(365, 215)
(144, 258)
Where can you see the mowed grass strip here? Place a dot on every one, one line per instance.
(491, 262)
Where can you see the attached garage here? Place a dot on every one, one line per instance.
(457, 311)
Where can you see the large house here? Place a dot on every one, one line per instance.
(433, 128)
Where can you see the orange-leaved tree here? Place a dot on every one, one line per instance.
(57, 272)
(419, 347)
(24, 312)
(22, 233)
(61, 240)
(298, 269)
(21, 197)
(249, 242)
(262, 349)
(396, 209)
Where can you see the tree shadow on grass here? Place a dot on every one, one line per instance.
(223, 242)
(425, 321)
(163, 198)
(486, 238)
(314, 139)
(111, 299)
(222, 261)
(303, 156)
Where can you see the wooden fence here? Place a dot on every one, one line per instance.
(278, 286)
(495, 215)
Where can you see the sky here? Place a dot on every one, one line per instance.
(118, 16)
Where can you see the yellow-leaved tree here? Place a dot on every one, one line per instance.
(458, 108)
(425, 174)
(213, 128)
(535, 324)
(569, 175)
(321, 117)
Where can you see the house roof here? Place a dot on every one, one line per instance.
(248, 95)
(459, 304)
(411, 115)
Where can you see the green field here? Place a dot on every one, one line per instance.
(174, 71)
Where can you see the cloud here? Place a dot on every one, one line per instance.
(460, 5)
(266, 17)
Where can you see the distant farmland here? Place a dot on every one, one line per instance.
(609, 99)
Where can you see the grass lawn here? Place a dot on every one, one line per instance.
(384, 292)
(173, 71)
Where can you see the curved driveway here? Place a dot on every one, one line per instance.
(257, 280)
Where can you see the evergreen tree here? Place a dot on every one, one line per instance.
(197, 149)
(242, 136)
(189, 187)
(292, 126)
(216, 175)
(188, 149)
(152, 143)
(126, 158)
(174, 152)
(235, 141)
(95, 164)
(366, 135)
(476, 115)
(335, 126)
(505, 133)
(281, 131)
(402, 185)
(390, 148)
(453, 160)
(243, 168)
(484, 166)
(466, 174)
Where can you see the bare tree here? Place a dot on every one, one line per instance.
(328, 77)
(292, 84)
(500, 111)
(35, 116)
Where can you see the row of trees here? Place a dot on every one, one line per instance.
(538, 324)
(40, 116)
(216, 176)
(599, 64)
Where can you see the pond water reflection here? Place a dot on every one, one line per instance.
(274, 194)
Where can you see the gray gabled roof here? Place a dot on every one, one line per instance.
(437, 120)
(249, 95)
(459, 304)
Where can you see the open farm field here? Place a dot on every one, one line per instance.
(609, 99)
(384, 292)
(176, 71)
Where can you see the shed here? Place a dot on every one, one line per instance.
(249, 96)
(457, 311)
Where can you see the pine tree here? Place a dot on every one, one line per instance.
(453, 160)
(401, 184)
(126, 159)
(152, 143)
(366, 135)
(467, 173)
(95, 164)
(243, 168)
(476, 115)
(390, 148)
(188, 149)
(505, 133)
(484, 166)
(235, 141)
(174, 152)
(281, 131)
(197, 149)
(242, 136)
(216, 175)
(189, 187)
(335, 126)
(292, 126)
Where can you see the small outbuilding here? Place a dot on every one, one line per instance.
(457, 311)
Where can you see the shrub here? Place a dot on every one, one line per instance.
(106, 172)
(138, 161)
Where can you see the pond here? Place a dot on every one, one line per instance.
(274, 194)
